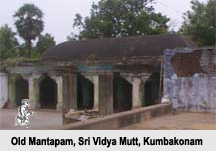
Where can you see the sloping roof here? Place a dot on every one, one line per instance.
(114, 47)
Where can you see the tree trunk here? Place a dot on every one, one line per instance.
(29, 48)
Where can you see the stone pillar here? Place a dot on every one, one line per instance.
(73, 92)
(34, 91)
(12, 92)
(137, 93)
(67, 92)
(3, 89)
(143, 87)
(106, 93)
(96, 91)
(59, 82)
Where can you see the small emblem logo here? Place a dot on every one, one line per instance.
(23, 116)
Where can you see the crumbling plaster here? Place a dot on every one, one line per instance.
(191, 93)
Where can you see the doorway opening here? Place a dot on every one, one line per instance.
(48, 93)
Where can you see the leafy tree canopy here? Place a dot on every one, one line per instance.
(72, 37)
(29, 24)
(200, 23)
(44, 43)
(118, 18)
(8, 42)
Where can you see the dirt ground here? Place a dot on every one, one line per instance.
(178, 121)
(43, 120)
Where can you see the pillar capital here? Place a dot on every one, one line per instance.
(144, 79)
(13, 78)
(106, 73)
(32, 78)
(57, 78)
(136, 80)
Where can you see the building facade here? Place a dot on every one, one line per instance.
(107, 75)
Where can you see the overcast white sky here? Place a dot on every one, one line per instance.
(59, 14)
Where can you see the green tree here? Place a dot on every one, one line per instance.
(8, 42)
(29, 24)
(118, 18)
(200, 23)
(73, 37)
(22, 51)
(44, 43)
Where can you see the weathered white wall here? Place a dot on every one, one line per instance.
(3, 89)
(192, 93)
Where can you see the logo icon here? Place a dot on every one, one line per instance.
(23, 116)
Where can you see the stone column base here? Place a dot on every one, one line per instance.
(59, 106)
(11, 104)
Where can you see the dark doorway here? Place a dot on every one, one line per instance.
(22, 90)
(122, 94)
(48, 93)
(151, 90)
(85, 93)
